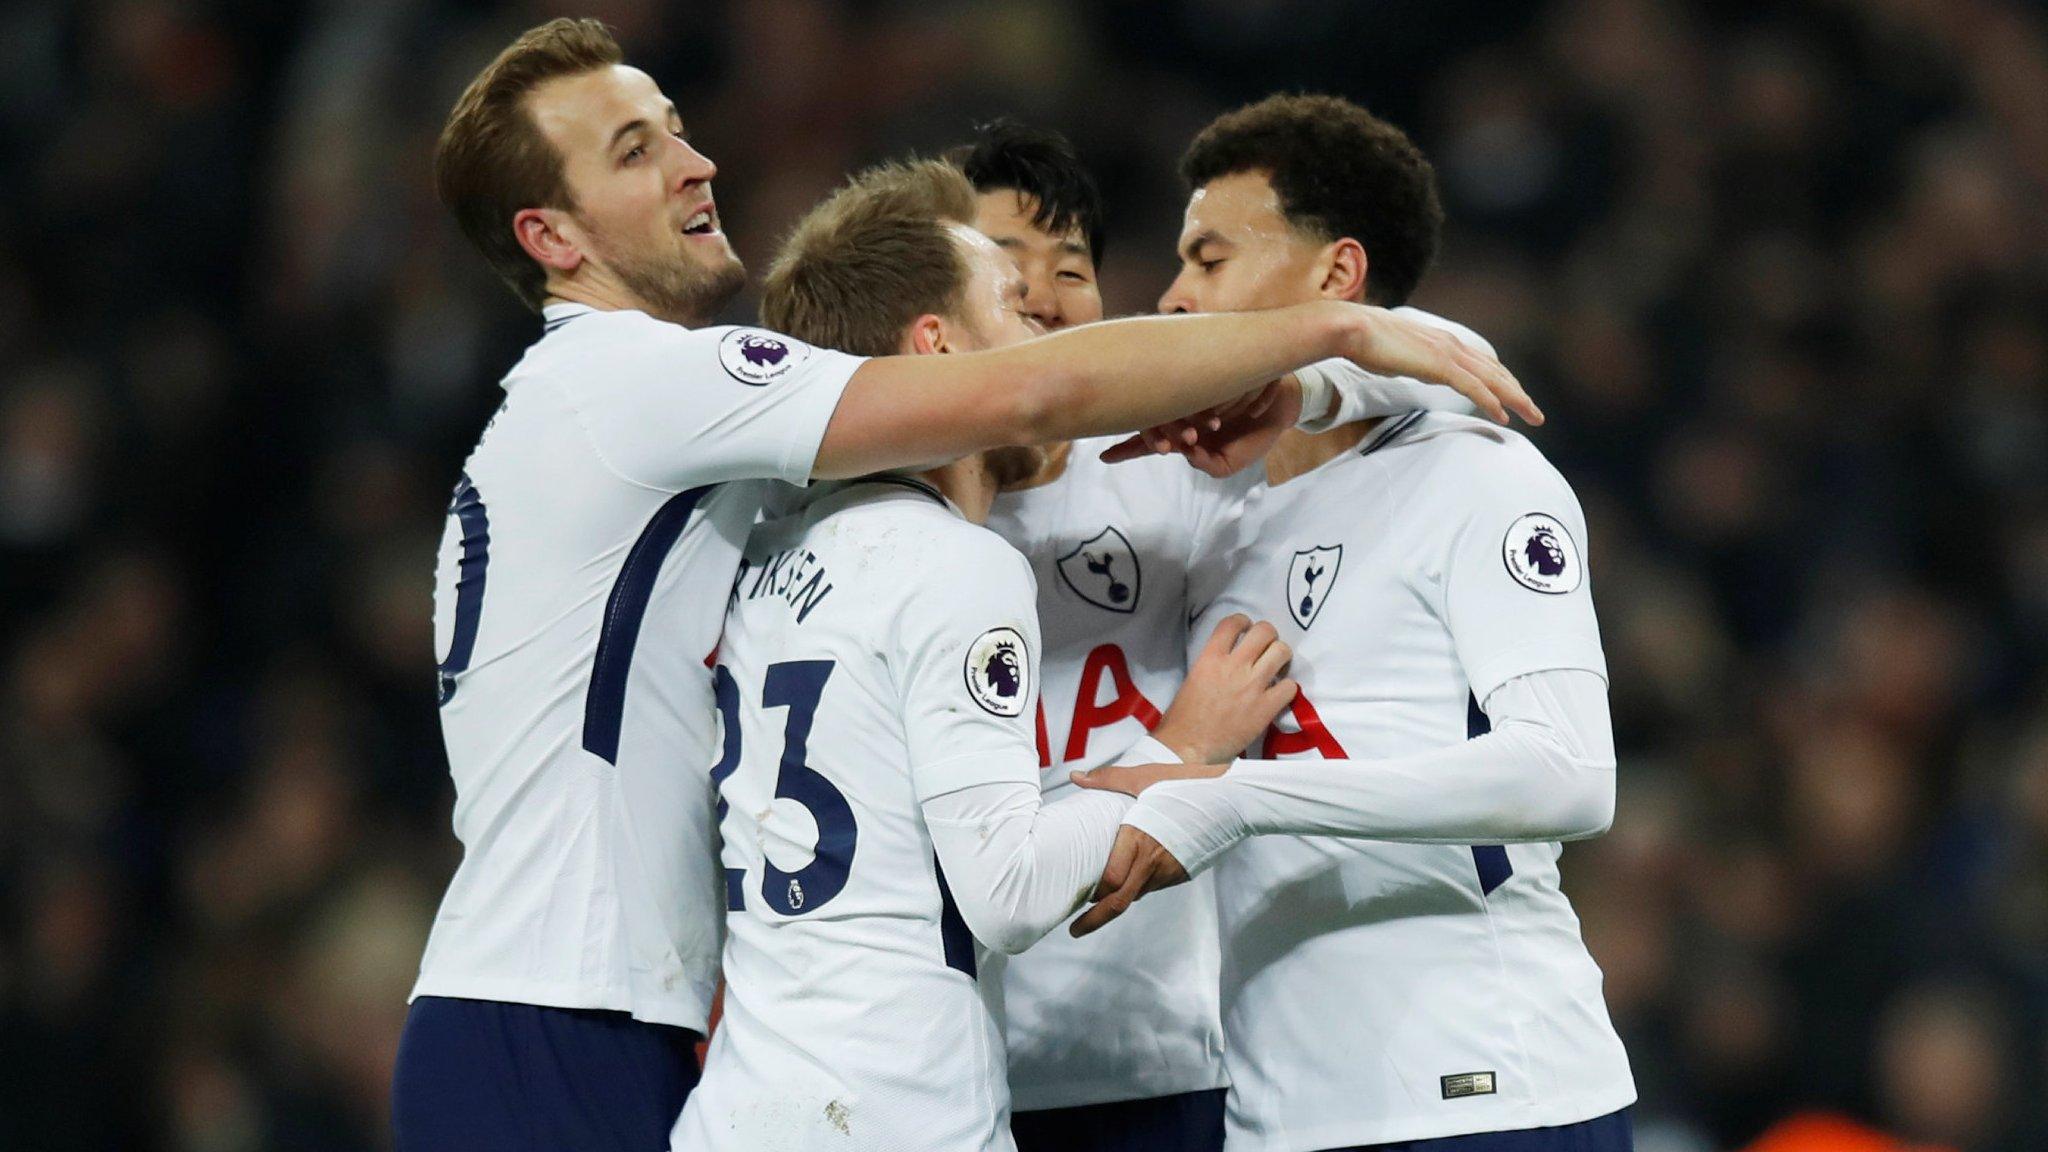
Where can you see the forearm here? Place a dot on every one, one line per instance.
(1094, 380)
(1018, 867)
(1545, 773)
(1124, 374)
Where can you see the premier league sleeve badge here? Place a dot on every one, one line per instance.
(1542, 556)
(998, 672)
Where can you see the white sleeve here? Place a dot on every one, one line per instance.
(674, 408)
(1018, 867)
(1508, 569)
(1147, 751)
(964, 660)
(1355, 394)
(1545, 773)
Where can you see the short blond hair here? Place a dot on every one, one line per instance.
(874, 256)
(492, 161)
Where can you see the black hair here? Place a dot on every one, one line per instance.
(1338, 171)
(1042, 164)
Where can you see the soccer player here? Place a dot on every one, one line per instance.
(878, 788)
(1114, 1040)
(590, 543)
(1386, 981)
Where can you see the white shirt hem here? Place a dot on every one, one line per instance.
(679, 1010)
(1042, 1097)
(1553, 1113)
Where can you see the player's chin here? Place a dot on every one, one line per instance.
(713, 256)
(722, 279)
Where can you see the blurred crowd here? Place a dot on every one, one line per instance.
(1777, 271)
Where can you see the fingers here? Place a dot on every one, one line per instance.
(1264, 401)
(1117, 902)
(1111, 778)
(1224, 639)
(1469, 374)
(1473, 388)
(1277, 698)
(1236, 409)
(1129, 448)
(1272, 662)
(1122, 854)
(1502, 392)
(1209, 463)
(1256, 640)
(1508, 389)
(1394, 344)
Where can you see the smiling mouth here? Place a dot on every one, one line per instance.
(703, 223)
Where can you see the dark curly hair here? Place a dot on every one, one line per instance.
(1043, 165)
(1338, 171)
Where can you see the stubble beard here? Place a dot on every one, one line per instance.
(679, 291)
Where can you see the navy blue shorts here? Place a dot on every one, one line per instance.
(1613, 1132)
(1187, 1122)
(486, 1075)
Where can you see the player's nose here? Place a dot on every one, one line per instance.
(695, 168)
(1042, 304)
(1176, 299)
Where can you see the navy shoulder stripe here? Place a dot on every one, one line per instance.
(1385, 435)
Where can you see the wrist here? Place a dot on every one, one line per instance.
(1316, 395)
(1183, 749)
(1192, 819)
(1341, 329)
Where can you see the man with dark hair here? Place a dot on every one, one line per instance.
(1040, 204)
(1400, 967)
(593, 536)
(1337, 171)
(1115, 1043)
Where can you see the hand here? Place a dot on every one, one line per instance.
(1395, 345)
(1133, 779)
(1224, 440)
(1233, 691)
(1137, 865)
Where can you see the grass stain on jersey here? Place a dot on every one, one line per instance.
(840, 1117)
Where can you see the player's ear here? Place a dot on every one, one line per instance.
(1343, 268)
(927, 336)
(549, 236)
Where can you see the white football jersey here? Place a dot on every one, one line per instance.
(582, 582)
(1129, 1012)
(880, 651)
(1377, 992)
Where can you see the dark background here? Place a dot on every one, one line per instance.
(1775, 270)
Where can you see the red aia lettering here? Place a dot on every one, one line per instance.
(1128, 701)
(1309, 736)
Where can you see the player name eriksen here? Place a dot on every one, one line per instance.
(790, 575)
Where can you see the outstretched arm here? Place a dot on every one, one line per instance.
(903, 411)
(1545, 773)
